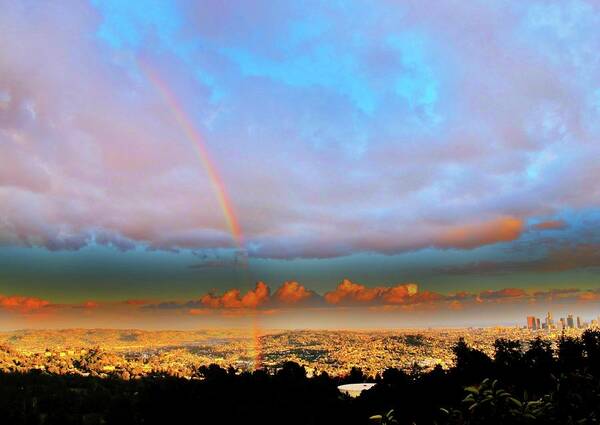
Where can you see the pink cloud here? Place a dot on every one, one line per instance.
(348, 292)
(136, 302)
(589, 296)
(291, 292)
(21, 303)
(399, 293)
(90, 304)
(502, 294)
(199, 311)
(233, 298)
(504, 229)
(551, 225)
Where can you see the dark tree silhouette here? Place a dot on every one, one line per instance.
(520, 385)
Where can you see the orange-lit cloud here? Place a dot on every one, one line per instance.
(589, 296)
(199, 311)
(348, 292)
(426, 297)
(292, 292)
(503, 229)
(456, 305)
(233, 298)
(399, 293)
(461, 296)
(135, 302)
(551, 225)
(556, 293)
(502, 294)
(21, 303)
(291, 295)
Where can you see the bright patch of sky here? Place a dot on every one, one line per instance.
(416, 82)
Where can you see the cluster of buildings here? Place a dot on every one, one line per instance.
(182, 353)
(534, 323)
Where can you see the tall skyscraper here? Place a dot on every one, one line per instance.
(563, 323)
(538, 324)
(570, 322)
(531, 322)
(579, 323)
(549, 321)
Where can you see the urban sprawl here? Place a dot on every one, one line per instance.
(132, 354)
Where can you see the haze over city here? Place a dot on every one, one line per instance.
(288, 165)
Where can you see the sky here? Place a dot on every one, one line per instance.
(348, 163)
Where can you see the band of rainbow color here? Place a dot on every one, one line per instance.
(256, 334)
(216, 182)
(197, 141)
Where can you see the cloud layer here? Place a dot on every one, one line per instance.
(292, 294)
(234, 299)
(22, 304)
(382, 127)
(560, 257)
(384, 304)
(348, 293)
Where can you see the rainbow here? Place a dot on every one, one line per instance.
(197, 141)
(216, 182)
(256, 333)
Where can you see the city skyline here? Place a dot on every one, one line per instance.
(196, 164)
(570, 321)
